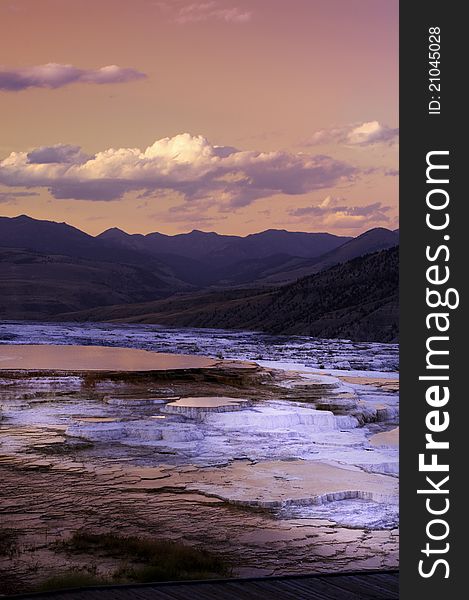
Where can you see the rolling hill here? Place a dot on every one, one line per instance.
(355, 300)
(197, 259)
(50, 238)
(366, 243)
(278, 281)
(39, 286)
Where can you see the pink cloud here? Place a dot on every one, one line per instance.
(197, 12)
(186, 164)
(54, 75)
(356, 134)
(337, 212)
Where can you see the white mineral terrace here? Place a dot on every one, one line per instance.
(321, 455)
(315, 452)
(197, 408)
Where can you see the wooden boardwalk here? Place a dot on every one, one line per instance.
(382, 585)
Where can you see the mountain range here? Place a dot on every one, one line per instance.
(355, 300)
(49, 269)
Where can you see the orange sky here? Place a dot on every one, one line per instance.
(259, 78)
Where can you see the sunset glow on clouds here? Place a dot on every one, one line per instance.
(286, 104)
(204, 11)
(183, 12)
(186, 164)
(358, 134)
(336, 211)
(53, 75)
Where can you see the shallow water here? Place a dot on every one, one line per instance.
(207, 402)
(94, 358)
(295, 350)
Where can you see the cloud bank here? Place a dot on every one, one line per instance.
(356, 134)
(11, 197)
(186, 164)
(53, 75)
(334, 211)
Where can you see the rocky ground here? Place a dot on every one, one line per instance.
(279, 470)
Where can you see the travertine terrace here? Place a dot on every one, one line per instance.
(282, 470)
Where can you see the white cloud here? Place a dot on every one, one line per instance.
(338, 213)
(356, 134)
(186, 164)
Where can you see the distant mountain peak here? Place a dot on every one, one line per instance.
(113, 231)
(117, 230)
(376, 229)
(200, 232)
(28, 219)
(379, 232)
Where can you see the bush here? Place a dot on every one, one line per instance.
(8, 543)
(71, 579)
(162, 559)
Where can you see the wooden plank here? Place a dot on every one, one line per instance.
(174, 593)
(325, 589)
(282, 589)
(390, 580)
(382, 586)
(359, 586)
(304, 589)
(354, 587)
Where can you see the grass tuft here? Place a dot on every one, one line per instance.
(8, 543)
(146, 560)
(71, 579)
